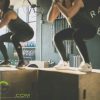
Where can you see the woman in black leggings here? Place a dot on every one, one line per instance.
(79, 35)
(20, 32)
(83, 26)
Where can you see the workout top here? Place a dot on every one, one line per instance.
(18, 26)
(89, 14)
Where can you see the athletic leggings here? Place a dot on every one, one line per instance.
(78, 35)
(15, 39)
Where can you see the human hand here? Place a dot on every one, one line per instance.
(80, 3)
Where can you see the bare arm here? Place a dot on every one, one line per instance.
(71, 11)
(7, 18)
(53, 13)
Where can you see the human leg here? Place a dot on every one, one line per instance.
(4, 38)
(58, 40)
(16, 39)
(85, 32)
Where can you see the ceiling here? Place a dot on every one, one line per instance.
(19, 3)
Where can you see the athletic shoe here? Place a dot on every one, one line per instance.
(5, 64)
(62, 65)
(85, 67)
(20, 65)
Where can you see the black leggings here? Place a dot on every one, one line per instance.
(15, 39)
(78, 35)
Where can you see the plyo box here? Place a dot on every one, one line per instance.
(68, 85)
(18, 85)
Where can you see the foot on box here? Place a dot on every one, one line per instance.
(5, 64)
(62, 65)
(85, 67)
(21, 65)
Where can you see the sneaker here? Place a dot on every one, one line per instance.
(21, 65)
(62, 65)
(85, 67)
(5, 64)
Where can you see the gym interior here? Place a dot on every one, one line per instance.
(40, 81)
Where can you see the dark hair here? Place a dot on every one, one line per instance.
(6, 4)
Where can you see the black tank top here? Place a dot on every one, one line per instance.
(89, 15)
(18, 26)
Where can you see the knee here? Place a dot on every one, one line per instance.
(12, 38)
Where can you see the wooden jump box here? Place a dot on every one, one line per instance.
(49, 84)
(68, 85)
(18, 84)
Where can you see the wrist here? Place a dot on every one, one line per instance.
(54, 4)
(58, 4)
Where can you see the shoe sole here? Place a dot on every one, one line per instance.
(82, 70)
(62, 68)
(6, 65)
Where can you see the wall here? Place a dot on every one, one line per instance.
(44, 43)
